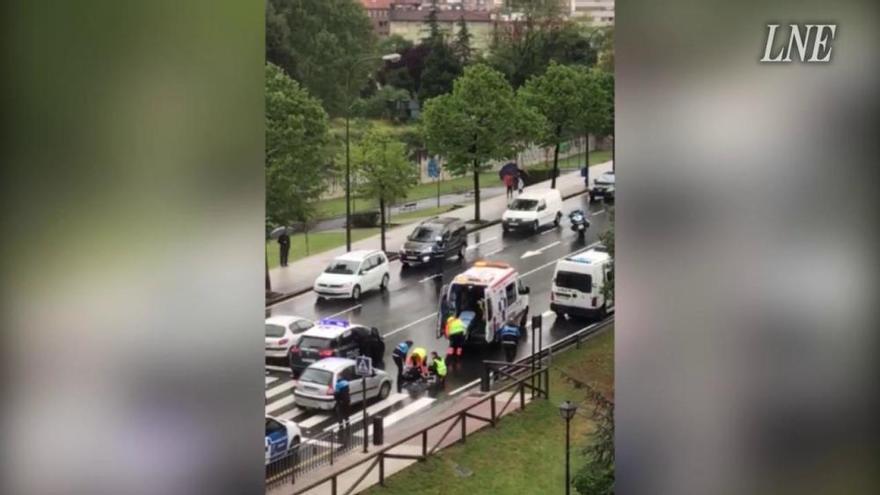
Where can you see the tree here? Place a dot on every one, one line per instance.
(297, 136)
(480, 120)
(384, 172)
(462, 44)
(596, 106)
(606, 81)
(556, 95)
(316, 41)
(435, 35)
(441, 69)
(597, 475)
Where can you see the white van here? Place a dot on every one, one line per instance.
(484, 298)
(579, 283)
(533, 209)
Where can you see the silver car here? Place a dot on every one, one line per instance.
(315, 387)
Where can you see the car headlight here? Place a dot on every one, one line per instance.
(427, 250)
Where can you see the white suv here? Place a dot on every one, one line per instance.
(352, 274)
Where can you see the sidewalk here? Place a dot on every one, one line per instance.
(299, 275)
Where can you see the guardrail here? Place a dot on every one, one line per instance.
(315, 452)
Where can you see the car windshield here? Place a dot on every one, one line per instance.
(577, 281)
(273, 330)
(524, 205)
(424, 234)
(314, 343)
(342, 267)
(315, 375)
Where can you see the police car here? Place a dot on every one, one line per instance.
(282, 437)
(579, 282)
(334, 337)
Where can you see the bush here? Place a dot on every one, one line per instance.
(365, 219)
(535, 175)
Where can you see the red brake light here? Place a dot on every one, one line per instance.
(283, 341)
(325, 352)
(294, 349)
(329, 390)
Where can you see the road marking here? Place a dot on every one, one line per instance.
(487, 241)
(334, 315)
(408, 410)
(545, 265)
(494, 252)
(282, 369)
(546, 314)
(357, 417)
(279, 404)
(547, 232)
(410, 324)
(599, 212)
(314, 420)
(464, 387)
(270, 379)
(289, 415)
(529, 254)
(430, 278)
(272, 392)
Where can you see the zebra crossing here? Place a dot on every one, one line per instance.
(281, 403)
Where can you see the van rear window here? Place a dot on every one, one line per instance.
(577, 281)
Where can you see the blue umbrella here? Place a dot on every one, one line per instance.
(509, 168)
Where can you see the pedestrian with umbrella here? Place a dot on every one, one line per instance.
(508, 175)
(282, 234)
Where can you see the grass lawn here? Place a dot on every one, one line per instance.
(526, 453)
(318, 242)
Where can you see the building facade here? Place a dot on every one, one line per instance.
(600, 12)
(410, 24)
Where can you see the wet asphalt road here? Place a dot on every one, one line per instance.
(408, 310)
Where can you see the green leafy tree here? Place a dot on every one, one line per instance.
(597, 108)
(556, 95)
(435, 34)
(442, 67)
(316, 41)
(383, 171)
(606, 80)
(596, 477)
(480, 120)
(462, 44)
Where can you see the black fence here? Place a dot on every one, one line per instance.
(314, 452)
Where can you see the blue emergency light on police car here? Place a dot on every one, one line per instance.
(333, 322)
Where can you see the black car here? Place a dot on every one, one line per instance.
(336, 340)
(435, 239)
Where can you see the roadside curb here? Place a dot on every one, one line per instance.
(392, 256)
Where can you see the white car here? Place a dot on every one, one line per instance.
(282, 437)
(283, 332)
(315, 387)
(352, 274)
(532, 210)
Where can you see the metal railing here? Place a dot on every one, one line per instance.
(315, 452)
(451, 421)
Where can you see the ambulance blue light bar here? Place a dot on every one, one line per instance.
(333, 322)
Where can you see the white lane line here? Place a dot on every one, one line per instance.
(429, 278)
(270, 379)
(529, 254)
(545, 265)
(410, 324)
(494, 252)
(546, 314)
(344, 311)
(487, 241)
(464, 387)
(599, 212)
(282, 369)
(408, 410)
(550, 231)
(357, 417)
(312, 421)
(272, 392)
(279, 404)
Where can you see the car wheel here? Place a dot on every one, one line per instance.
(356, 292)
(383, 286)
(461, 251)
(558, 219)
(404, 265)
(384, 391)
(536, 226)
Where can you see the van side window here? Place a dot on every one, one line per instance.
(510, 290)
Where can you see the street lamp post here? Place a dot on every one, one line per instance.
(390, 57)
(567, 411)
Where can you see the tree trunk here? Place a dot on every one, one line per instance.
(382, 220)
(268, 282)
(306, 236)
(476, 191)
(587, 160)
(555, 159)
(613, 146)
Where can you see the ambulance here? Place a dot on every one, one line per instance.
(579, 285)
(484, 297)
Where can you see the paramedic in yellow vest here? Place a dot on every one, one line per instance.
(418, 360)
(438, 367)
(455, 332)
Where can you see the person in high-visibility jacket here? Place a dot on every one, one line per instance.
(438, 367)
(418, 360)
(455, 332)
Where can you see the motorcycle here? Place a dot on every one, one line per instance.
(579, 223)
(417, 385)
